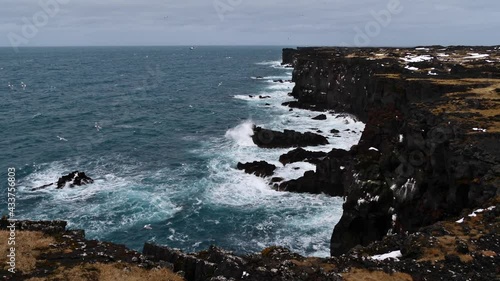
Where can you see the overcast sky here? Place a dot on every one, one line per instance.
(250, 22)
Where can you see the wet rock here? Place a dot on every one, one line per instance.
(300, 155)
(273, 139)
(258, 168)
(320, 117)
(72, 179)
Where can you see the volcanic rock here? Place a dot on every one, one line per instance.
(261, 169)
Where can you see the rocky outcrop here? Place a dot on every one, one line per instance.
(328, 179)
(72, 179)
(289, 56)
(419, 160)
(300, 155)
(320, 117)
(273, 139)
(258, 168)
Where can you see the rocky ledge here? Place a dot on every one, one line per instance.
(428, 151)
(465, 248)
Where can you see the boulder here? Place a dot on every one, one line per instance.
(73, 179)
(320, 117)
(258, 168)
(273, 139)
(299, 155)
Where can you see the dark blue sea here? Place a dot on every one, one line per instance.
(161, 130)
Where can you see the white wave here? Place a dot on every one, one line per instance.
(247, 97)
(270, 63)
(242, 134)
(282, 86)
(115, 201)
(294, 171)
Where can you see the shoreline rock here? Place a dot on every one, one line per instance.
(258, 168)
(265, 138)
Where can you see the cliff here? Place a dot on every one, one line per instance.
(429, 148)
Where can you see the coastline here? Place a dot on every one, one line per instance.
(392, 100)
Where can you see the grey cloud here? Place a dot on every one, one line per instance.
(278, 22)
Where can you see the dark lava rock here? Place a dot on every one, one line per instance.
(274, 139)
(320, 117)
(334, 131)
(299, 155)
(277, 179)
(74, 179)
(264, 97)
(261, 169)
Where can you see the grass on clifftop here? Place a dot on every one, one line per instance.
(30, 247)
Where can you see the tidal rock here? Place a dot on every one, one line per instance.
(299, 155)
(261, 169)
(320, 117)
(74, 179)
(289, 138)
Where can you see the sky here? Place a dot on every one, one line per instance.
(249, 22)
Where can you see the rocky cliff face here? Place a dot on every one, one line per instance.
(428, 150)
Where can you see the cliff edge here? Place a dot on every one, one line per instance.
(429, 149)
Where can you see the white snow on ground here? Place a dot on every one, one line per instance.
(442, 55)
(479, 129)
(460, 220)
(412, 58)
(392, 255)
(476, 56)
(412, 68)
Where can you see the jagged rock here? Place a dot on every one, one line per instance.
(73, 179)
(274, 139)
(258, 168)
(320, 117)
(299, 155)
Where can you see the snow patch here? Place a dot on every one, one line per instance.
(392, 255)
(476, 56)
(412, 58)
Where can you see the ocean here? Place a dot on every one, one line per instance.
(161, 130)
